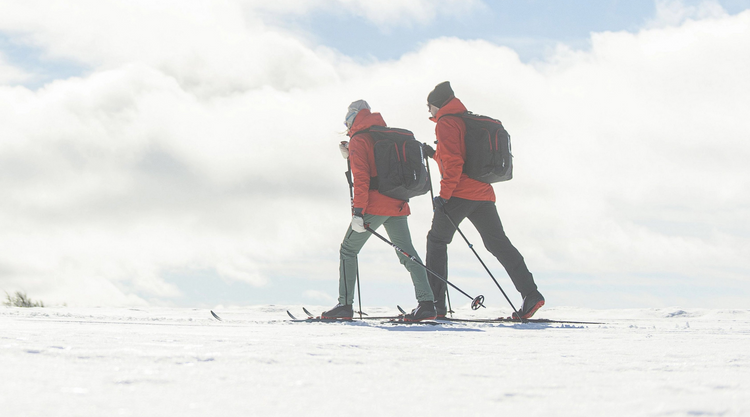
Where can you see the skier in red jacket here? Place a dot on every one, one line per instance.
(462, 197)
(371, 207)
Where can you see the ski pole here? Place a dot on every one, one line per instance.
(480, 261)
(432, 200)
(351, 199)
(476, 302)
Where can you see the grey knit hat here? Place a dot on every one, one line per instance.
(352, 111)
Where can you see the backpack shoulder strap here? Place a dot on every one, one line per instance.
(394, 133)
(367, 130)
(460, 115)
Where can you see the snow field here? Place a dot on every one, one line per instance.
(182, 362)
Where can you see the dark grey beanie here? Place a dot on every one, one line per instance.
(441, 94)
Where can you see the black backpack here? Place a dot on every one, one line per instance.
(488, 155)
(399, 161)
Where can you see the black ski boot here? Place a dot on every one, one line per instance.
(339, 312)
(531, 303)
(424, 311)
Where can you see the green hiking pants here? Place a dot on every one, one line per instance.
(398, 231)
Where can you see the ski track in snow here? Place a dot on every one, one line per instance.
(182, 362)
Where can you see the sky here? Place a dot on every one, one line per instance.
(185, 153)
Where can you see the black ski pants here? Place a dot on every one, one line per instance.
(483, 215)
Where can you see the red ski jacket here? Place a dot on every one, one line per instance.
(450, 154)
(362, 159)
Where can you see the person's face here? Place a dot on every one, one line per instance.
(433, 110)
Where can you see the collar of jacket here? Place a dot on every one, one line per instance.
(454, 106)
(364, 120)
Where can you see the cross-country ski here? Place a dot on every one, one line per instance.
(505, 320)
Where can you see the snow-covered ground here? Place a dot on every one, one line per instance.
(181, 362)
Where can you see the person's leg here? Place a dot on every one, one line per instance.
(487, 222)
(440, 235)
(397, 228)
(350, 247)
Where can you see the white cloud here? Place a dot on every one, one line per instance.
(676, 12)
(215, 48)
(9, 74)
(210, 48)
(205, 140)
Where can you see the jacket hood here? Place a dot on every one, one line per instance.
(364, 120)
(454, 106)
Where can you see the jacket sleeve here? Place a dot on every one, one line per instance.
(449, 136)
(358, 157)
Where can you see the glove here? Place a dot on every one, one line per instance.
(358, 221)
(438, 204)
(427, 150)
(344, 148)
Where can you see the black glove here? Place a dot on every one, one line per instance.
(438, 204)
(427, 150)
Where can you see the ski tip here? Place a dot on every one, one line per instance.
(216, 316)
(309, 314)
(401, 309)
(291, 315)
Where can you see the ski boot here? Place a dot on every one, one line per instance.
(424, 311)
(531, 303)
(338, 312)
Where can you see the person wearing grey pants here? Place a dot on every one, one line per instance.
(372, 209)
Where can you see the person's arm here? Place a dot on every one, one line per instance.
(448, 133)
(358, 157)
